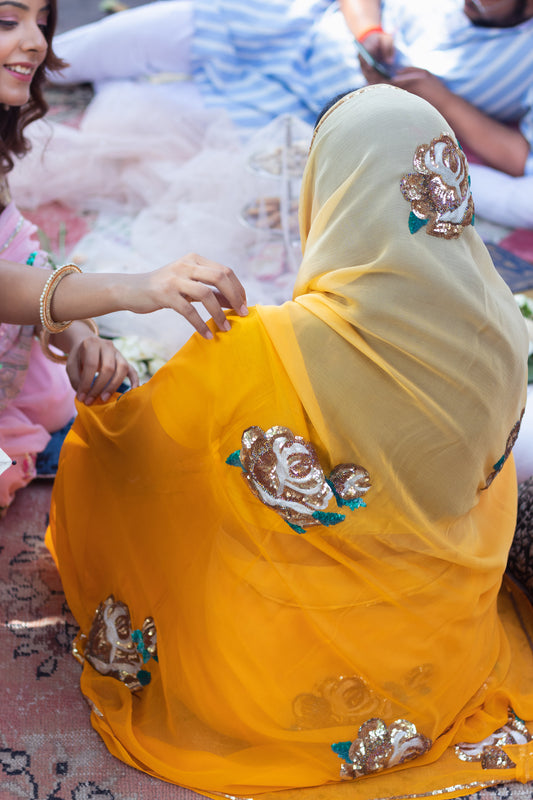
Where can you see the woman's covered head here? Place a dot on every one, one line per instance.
(26, 31)
(382, 164)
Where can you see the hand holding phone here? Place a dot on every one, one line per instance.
(384, 69)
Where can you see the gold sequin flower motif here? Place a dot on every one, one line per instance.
(283, 471)
(113, 648)
(490, 751)
(379, 746)
(439, 190)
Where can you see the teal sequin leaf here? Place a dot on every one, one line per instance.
(234, 459)
(415, 223)
(342, 749)
(144, 677)
(138, 641)
(473, 221)
(351, 504)
(326, 518)
(499, 464)
(295, 527)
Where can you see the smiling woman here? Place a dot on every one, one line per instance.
(26, 31)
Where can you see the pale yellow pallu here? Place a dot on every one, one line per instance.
(261, 628)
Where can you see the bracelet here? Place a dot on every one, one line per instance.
(44, 339)
(47, 293)
(374, 29)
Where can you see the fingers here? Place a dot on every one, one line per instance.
(372, 76)
(198, 279)
(381, 46)
(96, 368)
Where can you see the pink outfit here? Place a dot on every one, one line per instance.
(36, 398)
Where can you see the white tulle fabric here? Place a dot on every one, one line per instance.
(167, 177)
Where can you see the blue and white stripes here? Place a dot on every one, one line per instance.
(262, 59)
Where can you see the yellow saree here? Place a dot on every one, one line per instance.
(259, 615)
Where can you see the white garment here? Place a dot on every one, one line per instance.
(147, 40)
(503, 198)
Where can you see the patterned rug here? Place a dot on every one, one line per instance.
(48, 749)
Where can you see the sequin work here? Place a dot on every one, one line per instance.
(379, 746)
(113, 649)
(439, 190)
(283, 471)
(350, 483)
(513, 436)
(489, 752)
(338, 701)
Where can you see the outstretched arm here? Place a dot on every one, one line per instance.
(498, 145)
(176, 286)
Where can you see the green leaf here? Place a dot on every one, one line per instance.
(234, 459)
(326, 518)
(342, 749)
(415, 223)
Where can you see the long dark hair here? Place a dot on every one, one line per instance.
(13, 120)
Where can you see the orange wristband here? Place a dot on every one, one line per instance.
(374, 29)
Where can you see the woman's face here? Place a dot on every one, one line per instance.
(23, 47)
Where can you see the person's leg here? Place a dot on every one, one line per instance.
(142, 41)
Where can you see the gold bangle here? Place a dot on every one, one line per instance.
(44, 339)
(45, 301)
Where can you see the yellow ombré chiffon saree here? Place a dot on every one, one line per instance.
(285, 552)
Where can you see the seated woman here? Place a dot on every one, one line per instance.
(285, 552)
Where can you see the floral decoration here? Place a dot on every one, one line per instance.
(490, 751)
(379, 746)
(439, 190)
(114, 648)
(283, 471)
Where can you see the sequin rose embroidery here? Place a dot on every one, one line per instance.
(283, 472)
(439, 191)
(511, 440)
(490, 751)
(379, 746)
(114, 648)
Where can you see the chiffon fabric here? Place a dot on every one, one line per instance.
(36, 397)
(378, 623)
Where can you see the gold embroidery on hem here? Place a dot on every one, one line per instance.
(459, 787)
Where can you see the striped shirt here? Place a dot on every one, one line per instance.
(259, 59)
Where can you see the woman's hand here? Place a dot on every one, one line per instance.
(96, 368)
(179, 284)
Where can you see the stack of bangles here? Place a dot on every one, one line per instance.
(364, 34)
(45, 304)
